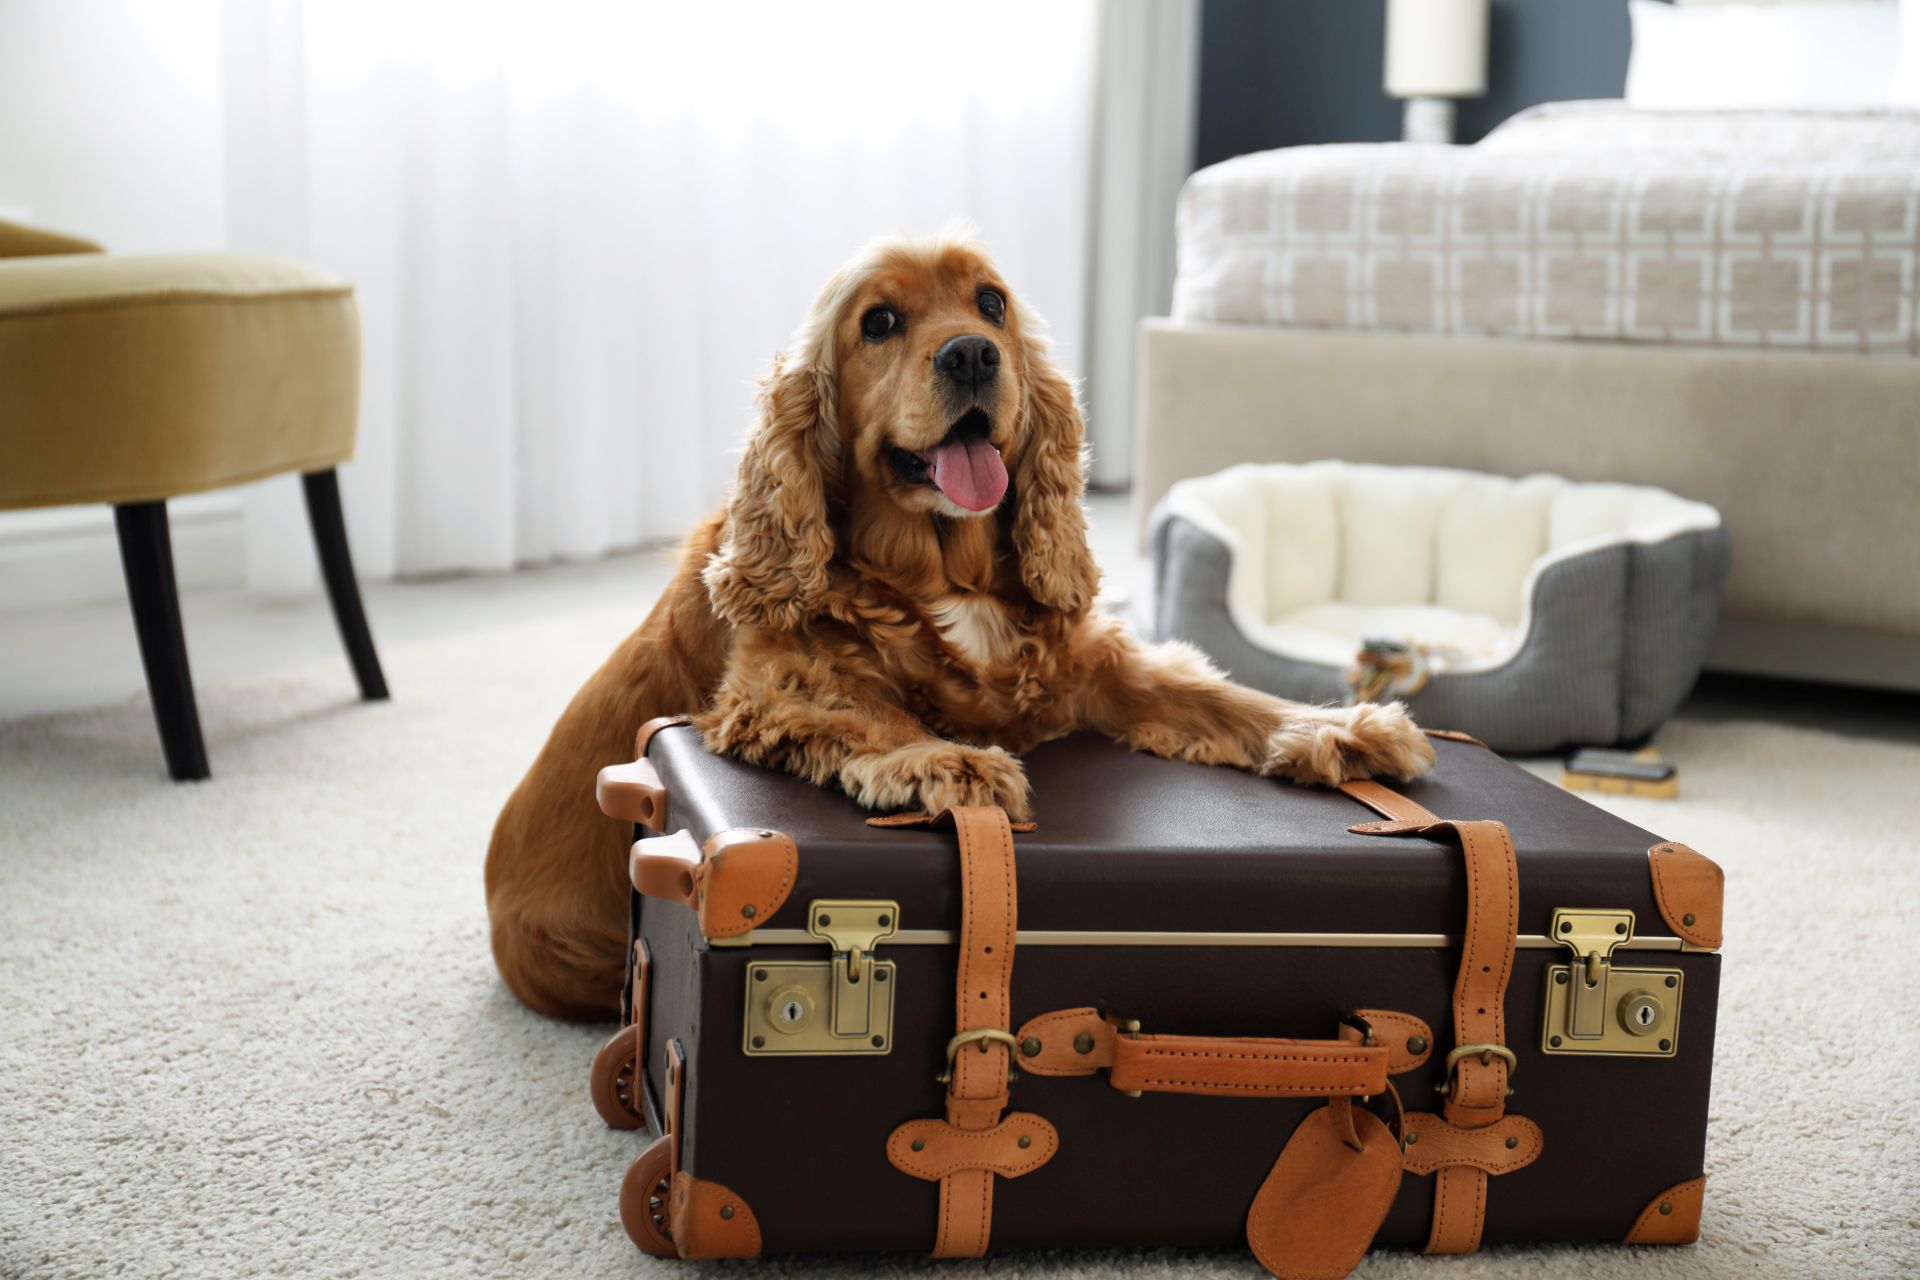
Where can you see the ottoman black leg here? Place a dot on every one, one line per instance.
(146, 553)
(336, 565)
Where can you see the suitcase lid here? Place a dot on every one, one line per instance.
(1128, 843)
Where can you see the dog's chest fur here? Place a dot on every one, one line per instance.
(978, 627)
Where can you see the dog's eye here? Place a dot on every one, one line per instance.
(878, 323)
(993, 306)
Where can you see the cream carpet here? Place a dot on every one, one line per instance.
(251, 1027)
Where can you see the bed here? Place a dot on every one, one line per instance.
(1719, 303)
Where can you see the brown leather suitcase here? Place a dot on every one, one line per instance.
(1188, 1006)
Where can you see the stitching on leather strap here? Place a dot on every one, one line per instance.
(1312, 1089)
(1334, 1060)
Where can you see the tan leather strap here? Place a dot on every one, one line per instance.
(1387, 802)
(1476, 1094)
(979, 1068)
(670, 1119)
(1078, 1042)
(1432, 1144)
(1459, 1209)
(937, 1149)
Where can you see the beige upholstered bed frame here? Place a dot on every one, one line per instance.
(1813, 460)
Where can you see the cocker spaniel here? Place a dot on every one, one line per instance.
(896, 600)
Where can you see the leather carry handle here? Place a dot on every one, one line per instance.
(1246, 1068)
(1078, 1042)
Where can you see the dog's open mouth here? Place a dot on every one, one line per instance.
(964, 465)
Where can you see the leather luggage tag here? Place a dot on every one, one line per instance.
(1320, 1207)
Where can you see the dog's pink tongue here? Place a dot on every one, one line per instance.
(970, 472)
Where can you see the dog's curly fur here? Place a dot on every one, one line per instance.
(844, 620)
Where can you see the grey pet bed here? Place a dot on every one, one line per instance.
(1550, 613)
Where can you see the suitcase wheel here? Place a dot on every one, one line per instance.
(643, 1201)
(616, 1081)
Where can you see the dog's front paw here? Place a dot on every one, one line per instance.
(933, 777)
(1330, 745)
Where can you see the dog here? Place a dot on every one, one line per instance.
(896, 599)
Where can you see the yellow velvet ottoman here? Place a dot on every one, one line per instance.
(131, 379)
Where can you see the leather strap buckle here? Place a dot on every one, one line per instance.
(1487, 1052)
(983, 1034)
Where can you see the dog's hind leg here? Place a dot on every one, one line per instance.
(557, 867)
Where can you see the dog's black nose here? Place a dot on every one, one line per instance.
(969, 360)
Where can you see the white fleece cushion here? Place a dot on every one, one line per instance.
(1585, 514)
(1489, 537)
(1302, 517)
(1388, 520)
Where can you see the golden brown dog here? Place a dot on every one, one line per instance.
(896, 600)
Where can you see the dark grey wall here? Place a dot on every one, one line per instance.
(1278, 73)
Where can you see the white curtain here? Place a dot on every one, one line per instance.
(580, 229)
(1148, 108)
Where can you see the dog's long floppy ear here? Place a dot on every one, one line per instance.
(771, 568)
(1050, 526)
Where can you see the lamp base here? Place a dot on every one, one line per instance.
(1428, 120)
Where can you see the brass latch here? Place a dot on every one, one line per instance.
(1594, 1006)
(840, 1005)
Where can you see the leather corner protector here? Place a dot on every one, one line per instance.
(745, 877)
(1430, 1143)
(935, 1149)
(644, 738)
(709, 1221)
(1056, 1037)
(1399, 1032)
(1689, 888)
(1673, 1216)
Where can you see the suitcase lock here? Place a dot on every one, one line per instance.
(841, 1005)
(1594, 1006)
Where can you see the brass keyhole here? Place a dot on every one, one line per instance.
(1641, 1012)
(789, 1010)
